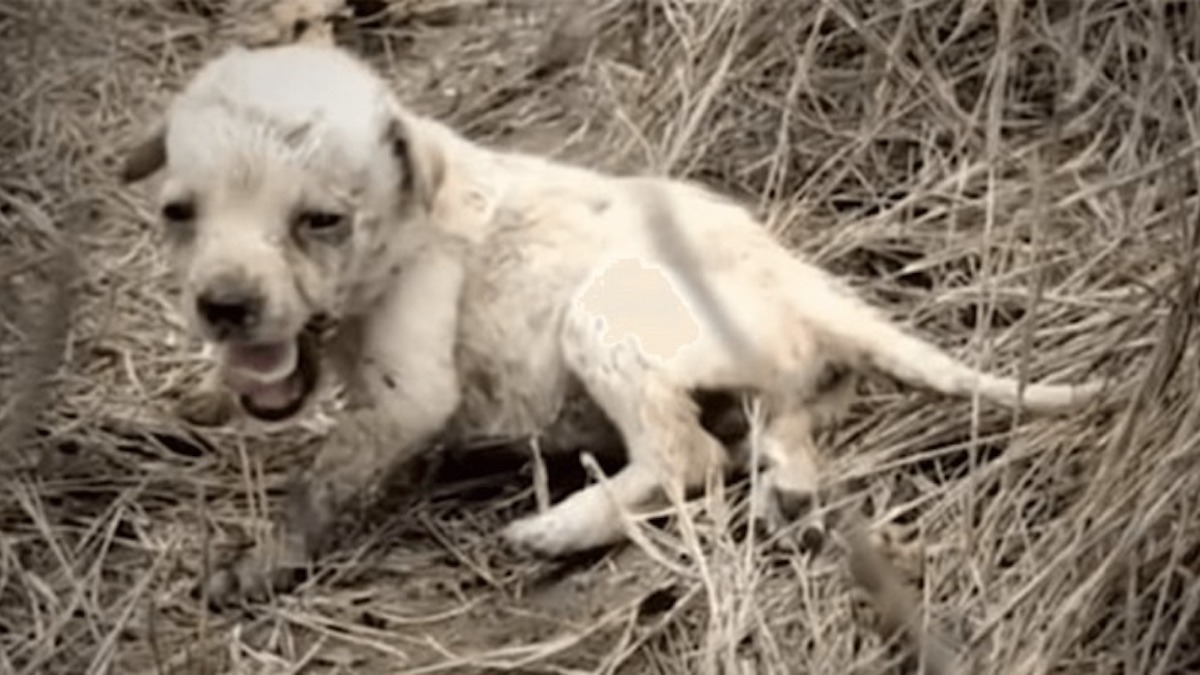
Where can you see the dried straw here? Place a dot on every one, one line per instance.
(1017, 180)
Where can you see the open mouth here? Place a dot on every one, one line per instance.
(272, 380)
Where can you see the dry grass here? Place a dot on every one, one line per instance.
(1018, 180)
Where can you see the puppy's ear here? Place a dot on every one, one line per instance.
(422, 164)
(146, 157)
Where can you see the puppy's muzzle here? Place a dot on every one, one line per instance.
(230, 307)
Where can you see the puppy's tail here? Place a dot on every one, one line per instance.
(860, 332)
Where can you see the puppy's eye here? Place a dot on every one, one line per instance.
(329, 227)
(321, 221)
(179, 211)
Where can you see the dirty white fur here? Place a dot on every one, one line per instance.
(480, 282)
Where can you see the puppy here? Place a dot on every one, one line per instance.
(473, 289)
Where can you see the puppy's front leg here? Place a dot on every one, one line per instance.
(207, 404)
(407, 370)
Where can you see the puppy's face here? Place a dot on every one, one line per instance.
(289, 175)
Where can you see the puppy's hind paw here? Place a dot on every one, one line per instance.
(557, 533)
(792, 514)
(537, 535)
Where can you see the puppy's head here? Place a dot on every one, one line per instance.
(293, 185)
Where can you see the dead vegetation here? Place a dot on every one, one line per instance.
(1016, 179)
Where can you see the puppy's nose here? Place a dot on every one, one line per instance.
(229, 308)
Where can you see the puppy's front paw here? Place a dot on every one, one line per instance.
(250, 577)
(901, 545)
(206, 407)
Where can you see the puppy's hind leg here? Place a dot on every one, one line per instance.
(789, 491)
(658, 422)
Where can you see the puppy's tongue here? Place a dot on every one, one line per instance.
(277, 396)
(263, 363)
(261, 372)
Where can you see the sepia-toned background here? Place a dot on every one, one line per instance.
(1015, 180)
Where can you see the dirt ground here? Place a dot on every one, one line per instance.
(1016, 180)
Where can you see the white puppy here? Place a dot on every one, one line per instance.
(473, 289)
